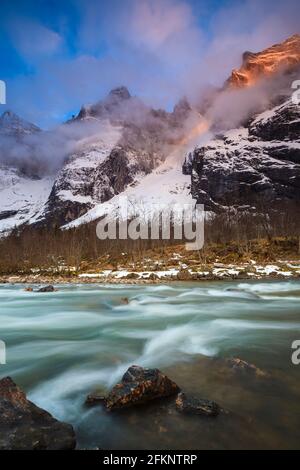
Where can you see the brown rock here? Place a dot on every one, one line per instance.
(139, 386)
(132, 276)
(24, 426)
(184, 275)
(257, 65)
(238, 364)
(197, 406)
(46, 289)
(152, 277)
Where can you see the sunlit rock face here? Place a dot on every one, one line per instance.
(256, 166)
(266, 63)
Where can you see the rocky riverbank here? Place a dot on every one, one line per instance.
(210, 272)
(260, 259)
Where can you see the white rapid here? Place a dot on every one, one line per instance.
(62, 345)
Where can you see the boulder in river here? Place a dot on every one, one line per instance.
(46, 289)
(24, 426)
(197, 406)
(240, 365)
(140, 385)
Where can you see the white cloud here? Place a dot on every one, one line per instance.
(153, 23)
(155, 47)
(33, 40)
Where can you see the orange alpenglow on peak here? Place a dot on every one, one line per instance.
(266, 63)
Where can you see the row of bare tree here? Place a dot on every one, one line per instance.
(45, 249)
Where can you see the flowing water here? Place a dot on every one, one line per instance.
(63, 345)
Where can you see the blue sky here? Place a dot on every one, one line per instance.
(57, 55)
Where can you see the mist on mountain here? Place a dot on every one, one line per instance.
(37, 153)
(43, 152)
(262, 81)
(233, 107)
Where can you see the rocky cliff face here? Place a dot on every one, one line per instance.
(268, 62)
(256, 167)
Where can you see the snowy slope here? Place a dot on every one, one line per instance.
(73, 190)
(21, 198)
(166, 185)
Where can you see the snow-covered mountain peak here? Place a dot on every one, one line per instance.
(12, 124)
(118, 104)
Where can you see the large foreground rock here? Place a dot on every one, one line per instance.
(24, 426)
(139, 386)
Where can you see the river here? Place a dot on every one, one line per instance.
(61, 346)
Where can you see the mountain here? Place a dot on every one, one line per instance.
(130, 140)
(255, 167)
(22, 193)
(13, 125)
(277, 58)
(119, 146)
(118, 141)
